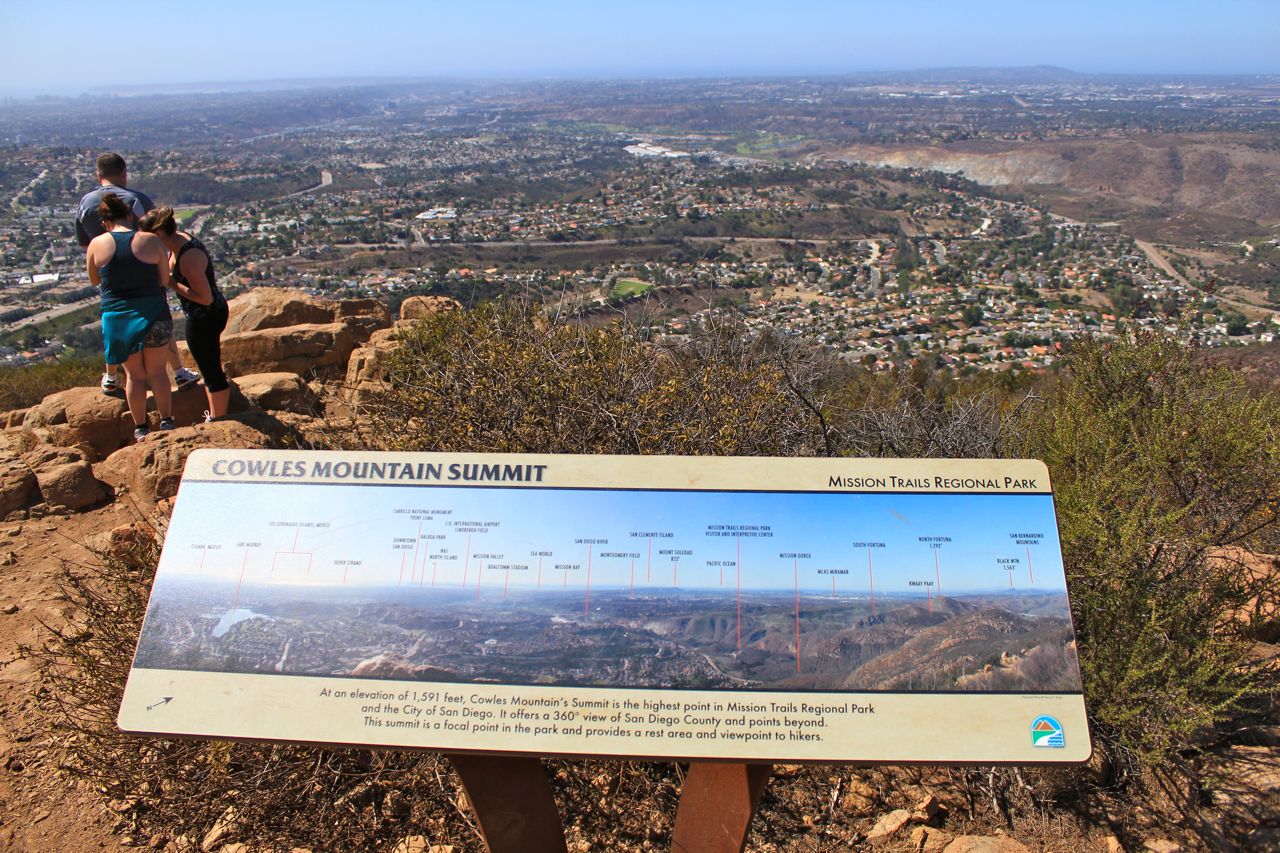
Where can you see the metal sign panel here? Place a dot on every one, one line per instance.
(702, 608)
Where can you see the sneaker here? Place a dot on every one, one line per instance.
(166, 423)
(109, 384)
(185, 378)
(140, 433)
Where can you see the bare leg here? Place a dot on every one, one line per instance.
(154, 359)
(135, 388)
(175, 361)
(218, 402)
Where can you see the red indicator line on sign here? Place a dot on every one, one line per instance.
(739, 594)
(403, 556)
(203, 554)
(833, 586)
(235, 602)
(937, 572)
(871, 579)
(505, 583)
(795, 570)
(648, 572)
(675, 571)
(466, 562)
(633, 577)
(434, 565)
(417, 545)
(296, 533)
(479, 578)
(345, 568)
(586, 601)
(1010, 580)
(539, 573)
(1031, 575)
(565, 585)
(929, 592)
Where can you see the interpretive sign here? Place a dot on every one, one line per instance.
(735, 608)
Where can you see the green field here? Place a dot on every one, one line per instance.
(183, 214)
(625, 288)
(764, 142)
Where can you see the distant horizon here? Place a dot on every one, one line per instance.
(247, 42)
(248, 85)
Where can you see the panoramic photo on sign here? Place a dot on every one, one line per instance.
(747, 608)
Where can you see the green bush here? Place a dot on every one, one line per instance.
(1166, 473)
(25, 386)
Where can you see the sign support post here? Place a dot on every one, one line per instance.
(514, 807)
(512, 802)
(716, 806)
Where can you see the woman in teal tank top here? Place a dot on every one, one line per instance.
(132, 271)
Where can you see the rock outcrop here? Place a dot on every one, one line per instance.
(64, 477)
(84, 418)
(75, 448)
(366, 368)
(278, 392)
(151, 470)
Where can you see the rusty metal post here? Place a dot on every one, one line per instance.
(716, 806)
(512, 801)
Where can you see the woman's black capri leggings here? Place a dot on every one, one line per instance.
(204, 340)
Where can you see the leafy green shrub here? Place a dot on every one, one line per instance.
(1165, 470)
(25, 386)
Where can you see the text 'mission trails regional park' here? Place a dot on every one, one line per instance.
(758, 609)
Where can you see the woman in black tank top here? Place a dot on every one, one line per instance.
(202, 302)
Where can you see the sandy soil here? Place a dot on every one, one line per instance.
(40, 809)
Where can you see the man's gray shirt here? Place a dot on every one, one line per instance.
(88, 225)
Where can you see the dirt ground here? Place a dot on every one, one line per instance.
(605, 805)
(42, 809)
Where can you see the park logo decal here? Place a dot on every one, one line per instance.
(1046, 731)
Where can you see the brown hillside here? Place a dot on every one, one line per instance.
(1214, 186)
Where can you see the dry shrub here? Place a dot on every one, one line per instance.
(1157, 462)
(1160, 461)
(28, 384)
(502, 378)
(497, 379)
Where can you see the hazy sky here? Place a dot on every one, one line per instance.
(963, 542)
(68, 47)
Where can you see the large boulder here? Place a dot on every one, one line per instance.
(18, 487)
(275, 308)
(84, 418)
(65, 477)
(417, 307)
(363, 316)
(152, 469)
(279, 392)
(366, 369)
(322, 348)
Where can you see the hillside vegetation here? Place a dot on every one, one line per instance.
(1166, 470)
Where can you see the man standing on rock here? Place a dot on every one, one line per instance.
(113, 177)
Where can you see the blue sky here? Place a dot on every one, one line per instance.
(975, 534)
(66, 48)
